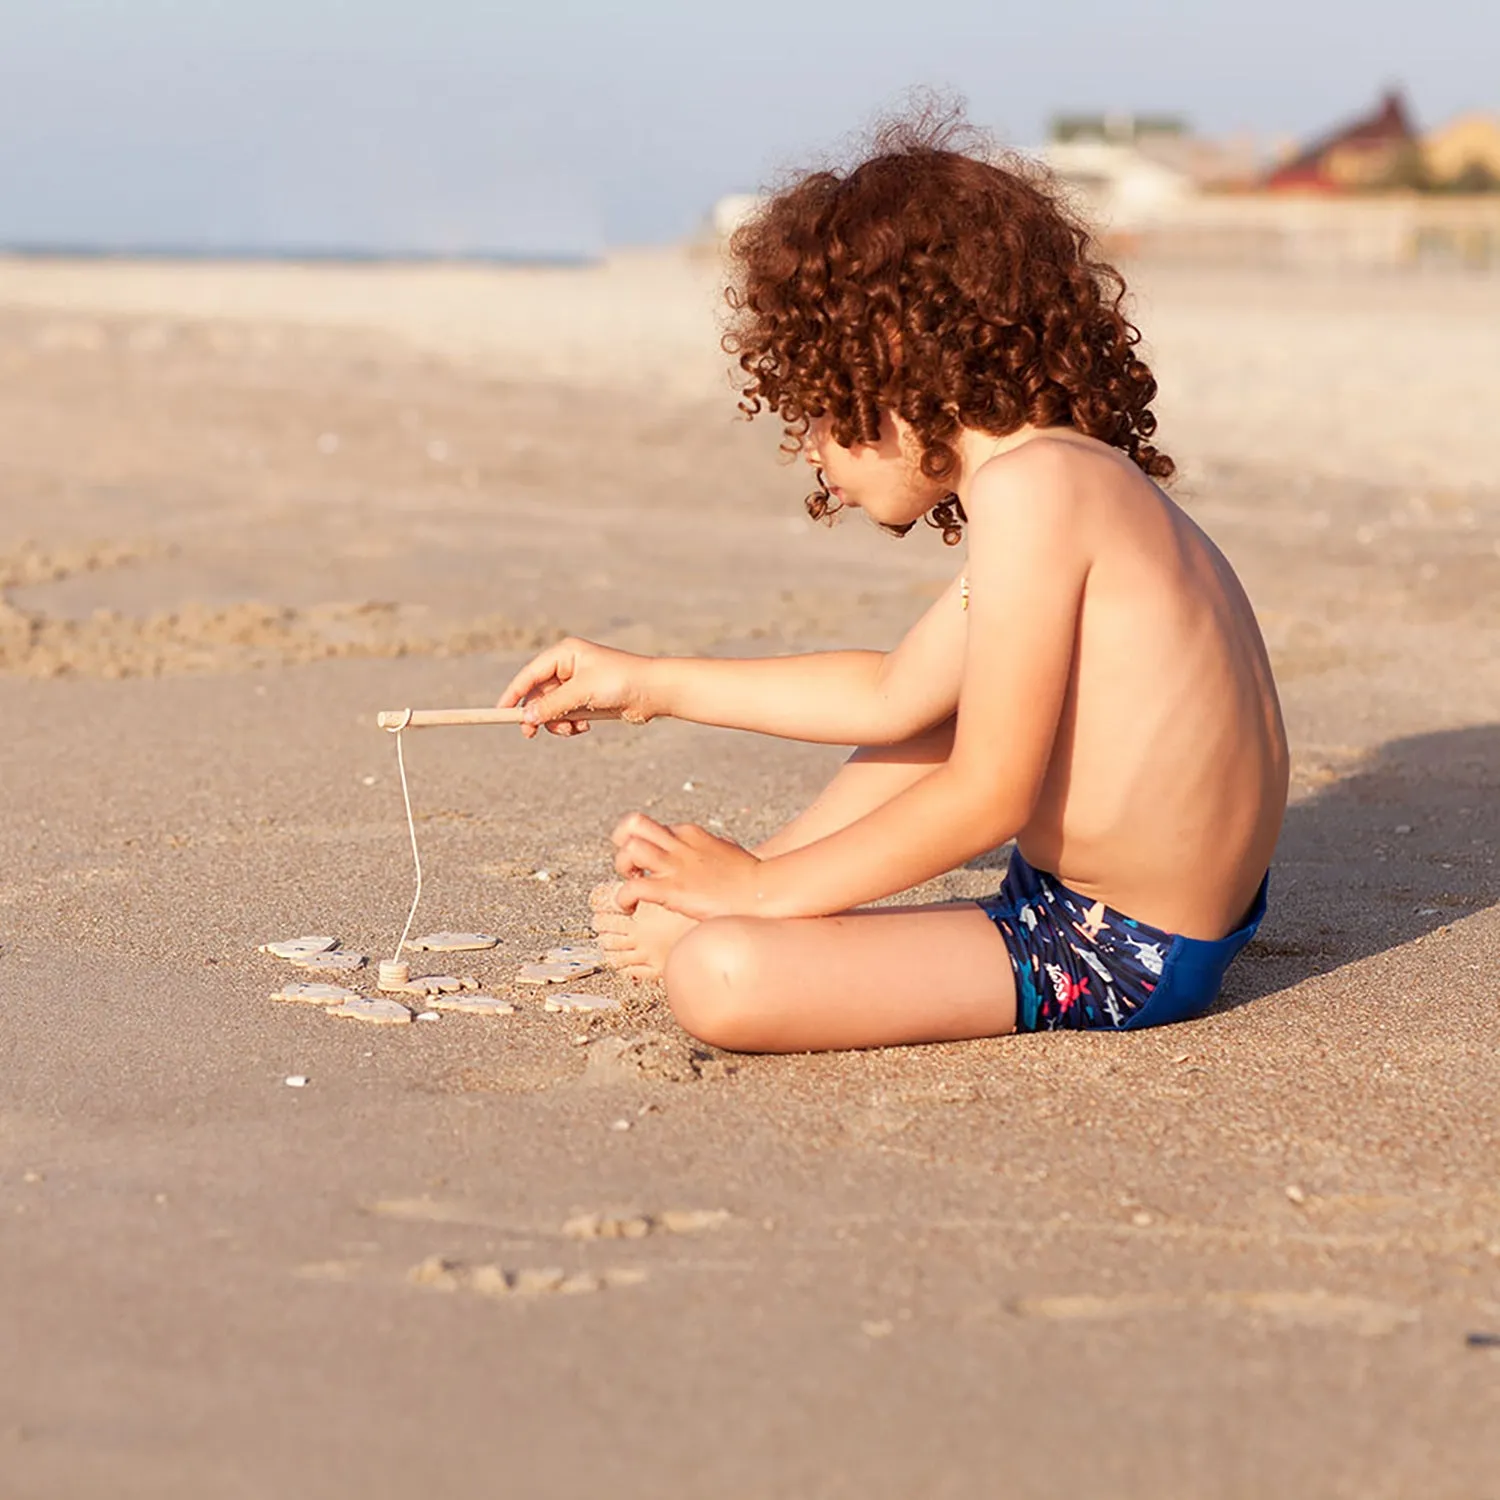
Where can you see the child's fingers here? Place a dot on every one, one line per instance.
(636, 855)
(538, 672)
(550, 702)
(637, 825)
(630, 893)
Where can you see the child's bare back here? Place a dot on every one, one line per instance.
(1166, 782)
(940, 344)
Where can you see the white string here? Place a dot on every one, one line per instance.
(416, 858)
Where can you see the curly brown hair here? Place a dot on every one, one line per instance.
(949, 285)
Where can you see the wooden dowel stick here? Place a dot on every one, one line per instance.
(439, 718)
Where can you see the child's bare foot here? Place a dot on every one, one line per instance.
(636, 945)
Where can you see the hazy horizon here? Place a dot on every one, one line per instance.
(387, 128)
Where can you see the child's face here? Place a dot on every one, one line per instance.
(882, 478)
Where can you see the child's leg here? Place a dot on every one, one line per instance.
(639, 945)
(865, 979)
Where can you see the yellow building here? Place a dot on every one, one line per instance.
(1465, 152)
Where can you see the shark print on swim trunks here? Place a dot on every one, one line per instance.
(1080, 964)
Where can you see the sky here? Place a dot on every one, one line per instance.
(562, 127)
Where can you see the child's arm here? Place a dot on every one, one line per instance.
(831, 697)
(1027, 570)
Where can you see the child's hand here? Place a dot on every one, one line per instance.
(578, 674)
(684, 868)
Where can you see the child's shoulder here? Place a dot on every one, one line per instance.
(1053, 477)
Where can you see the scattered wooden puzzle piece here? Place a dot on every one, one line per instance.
(300, 947)
(569, 1001)
(452, 942)
(575, 953)
(315, 994)
(429, 984)
(375, 1009)
(474, 1005)
(329, 963)
(554, 973)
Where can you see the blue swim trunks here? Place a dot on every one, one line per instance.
(1080, 964)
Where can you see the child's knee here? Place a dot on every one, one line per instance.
(713, 983)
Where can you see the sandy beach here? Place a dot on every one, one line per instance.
(243, 508)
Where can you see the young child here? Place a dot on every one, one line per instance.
(938, 339)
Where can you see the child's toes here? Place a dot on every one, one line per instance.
(606, 898)
(606, 922)
(639, 972)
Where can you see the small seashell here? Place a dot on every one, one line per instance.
(296, 1081)
(299, 947)
(315, 994)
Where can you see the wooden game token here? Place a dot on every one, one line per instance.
(452, 942)
(315, 994)
(375, 1009)
(299, 947)
(330, 963)
(568, 1001)
(474, 1005)
(554, 973)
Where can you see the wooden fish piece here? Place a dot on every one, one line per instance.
(375, 1009)
(300, 947)
(474, 1005)
(554, 973)
(315, 994)
(329, 963)
(572, 1002)
(452, 942)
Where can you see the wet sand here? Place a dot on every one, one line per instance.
(244, 508)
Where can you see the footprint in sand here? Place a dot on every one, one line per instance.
(1316, 1309)
(439, 1273)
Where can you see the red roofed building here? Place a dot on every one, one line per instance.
(1374, 152)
